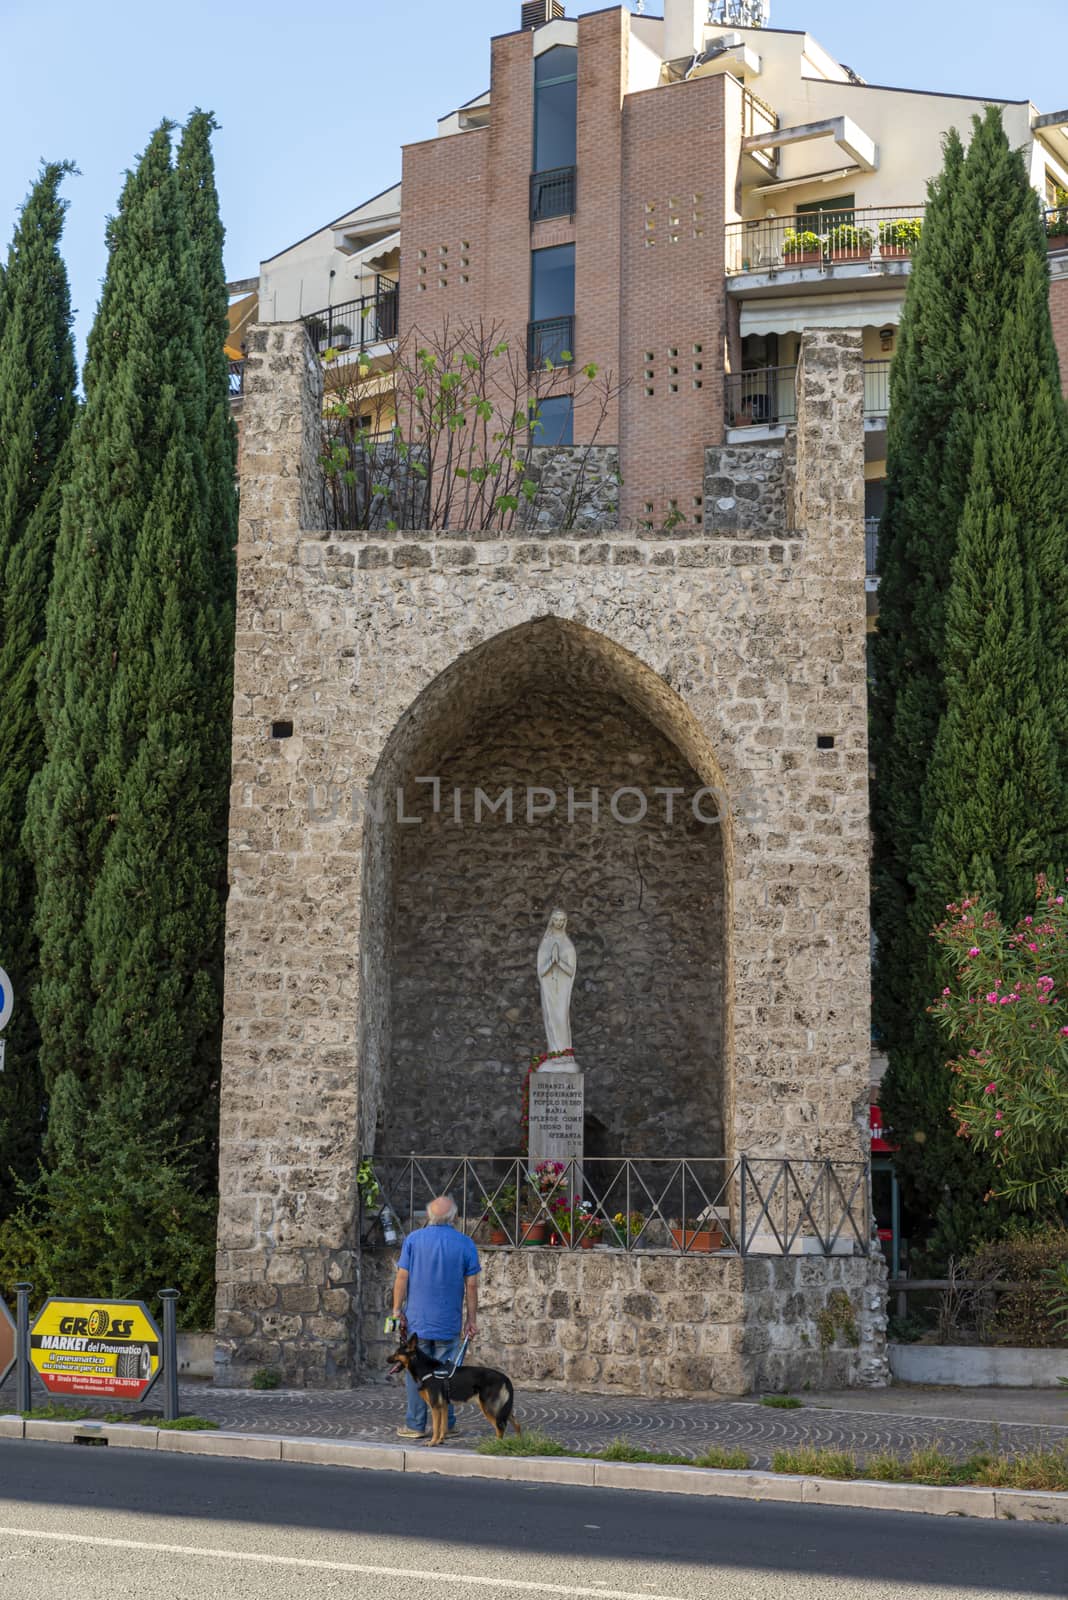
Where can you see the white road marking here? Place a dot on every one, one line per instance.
(259, 1558)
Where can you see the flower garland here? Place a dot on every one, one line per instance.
(524, 1115)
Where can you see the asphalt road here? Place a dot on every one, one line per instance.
(78, 1522)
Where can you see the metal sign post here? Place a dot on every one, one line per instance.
(170, 1355)
(22, 1346)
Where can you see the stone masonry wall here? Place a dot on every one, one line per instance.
(745, 653)
(604, 1321)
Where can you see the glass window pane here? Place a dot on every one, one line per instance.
(552, 282)
(554, 423)
(559, 62)
(555, 125)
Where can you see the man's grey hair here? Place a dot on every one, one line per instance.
(442, 1210)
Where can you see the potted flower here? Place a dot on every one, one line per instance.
(847, 243)
(900, 238)
(543, 1189)
(627, 1226)
(700, 1235)
(1057, 223)
(341, 337)
(500, 1214)
(799, 247)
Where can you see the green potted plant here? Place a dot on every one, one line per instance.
(543, 1188)
(847, 243)
(627, 1226)
(500, 1214)
(801, 246)
(341, 336)
(900, 238)
(1057, 222)
(697, 1237)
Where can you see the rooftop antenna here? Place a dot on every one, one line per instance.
(739, 13)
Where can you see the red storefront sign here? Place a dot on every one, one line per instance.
(879, 1143)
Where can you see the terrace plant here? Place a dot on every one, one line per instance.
(845, 239)
(799, 244)
(901, 236)
(459, 443)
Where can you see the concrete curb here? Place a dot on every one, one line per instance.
(1012, 1505)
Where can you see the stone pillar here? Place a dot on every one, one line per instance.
(287, 1199)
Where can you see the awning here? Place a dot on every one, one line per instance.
(794, 313)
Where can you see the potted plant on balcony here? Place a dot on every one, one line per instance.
(543, 1190)
(342, 336)
(317, 332)
(627, 1226)
(1057, 223)
(847, 243)
(800, 247)
(900, 238)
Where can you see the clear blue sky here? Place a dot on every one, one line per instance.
(314, 102)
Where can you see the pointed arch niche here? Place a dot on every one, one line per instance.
(453, 909)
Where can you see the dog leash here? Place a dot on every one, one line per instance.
(445, 1376)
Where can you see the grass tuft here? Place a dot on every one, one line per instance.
(723, 1459)
(622, 1449)
(532, 1443)
(781, 1402)
(54, 1411)
(189, 1425)
(815, 1463)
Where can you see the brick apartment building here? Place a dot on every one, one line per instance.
(675, 199)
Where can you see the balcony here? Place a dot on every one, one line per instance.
(237, 379)
(1057, 229)
(356, 324)
(766, 398)
(552, 194)
(550, 343)
(871, 551)
(861, 245)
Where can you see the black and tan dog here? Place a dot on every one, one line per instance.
(492, 1389)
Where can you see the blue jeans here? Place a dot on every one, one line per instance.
(445, 1351)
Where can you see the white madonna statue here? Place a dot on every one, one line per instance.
(556, 975)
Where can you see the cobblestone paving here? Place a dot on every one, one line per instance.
(588, 1422)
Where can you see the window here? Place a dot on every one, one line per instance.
(555, 107)
(552, 282)
(828, 214)
(555, 420)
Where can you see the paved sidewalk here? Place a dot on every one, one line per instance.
(863, 1421)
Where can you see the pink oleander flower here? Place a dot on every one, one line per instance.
(945, 991)
(974, 951)
(992, 998)
(997, 1133)
(991, 1088)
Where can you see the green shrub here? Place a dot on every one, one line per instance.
(801, 242)
(781, 1402)
(189, 1425)
(723, 1459)
(1035, 1259)
(266, 1378)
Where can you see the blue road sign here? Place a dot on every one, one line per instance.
(7, 999)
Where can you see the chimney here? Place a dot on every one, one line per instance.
(684, 28)
(535, 12)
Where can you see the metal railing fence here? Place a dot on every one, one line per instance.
(747, 1205)
(766, 396)
(552, 342)
(355, 324)
(552, 193)
(813, 238)
(871, 545)
(237, 379)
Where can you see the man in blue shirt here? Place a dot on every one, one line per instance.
(435, 1295)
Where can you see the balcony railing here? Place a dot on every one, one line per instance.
(873, 234)
(550, 342)
(871, 546)
(1057, 228)
(767, 396)
(552, 193)
(761, 398)
(355, 324)
(757, 118)
(767, 1206)
(237, 379)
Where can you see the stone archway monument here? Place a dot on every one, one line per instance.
(726, 661)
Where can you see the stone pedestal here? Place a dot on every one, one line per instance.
(557, 1106)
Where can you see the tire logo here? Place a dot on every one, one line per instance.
(98, 1323)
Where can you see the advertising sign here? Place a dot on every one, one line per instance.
(7, 999)
(108, 1348)
(7, 1341)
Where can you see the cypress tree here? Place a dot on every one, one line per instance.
(37, 408)
(969, 704)
(126, 820)
(196, 177)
